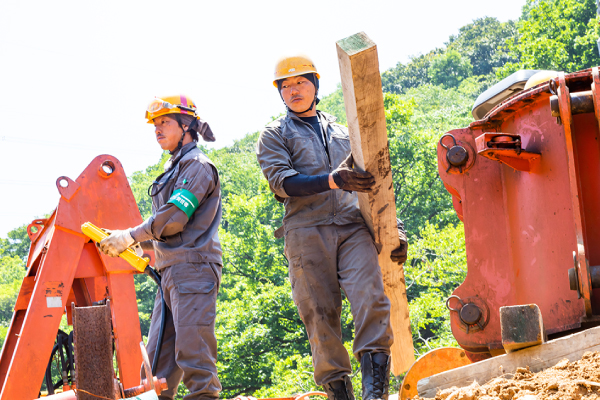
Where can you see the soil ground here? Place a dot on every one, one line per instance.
(566, 381)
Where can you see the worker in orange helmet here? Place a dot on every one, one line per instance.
(305, 156)
(183, 232)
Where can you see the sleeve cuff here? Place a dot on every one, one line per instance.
(142, 232)
(280, 191)
(147, 245)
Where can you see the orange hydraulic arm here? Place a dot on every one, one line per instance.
(64, 267)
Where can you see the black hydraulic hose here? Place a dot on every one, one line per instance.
(59, 345)
(70, 357)
(151, 272)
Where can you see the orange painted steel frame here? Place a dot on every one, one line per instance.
(523, 227)
(64, 266)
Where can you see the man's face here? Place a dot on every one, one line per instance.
(298, 93)
(167, 132)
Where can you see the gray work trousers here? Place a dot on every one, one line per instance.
(189, 348)
(323, 259)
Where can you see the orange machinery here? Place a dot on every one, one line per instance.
(525, 180)
(64, 267)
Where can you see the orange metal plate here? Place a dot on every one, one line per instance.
(431, 363)
(63, 267)
(520, 227)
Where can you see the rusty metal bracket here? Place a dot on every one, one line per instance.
(506, 149)
(581, 257)
(596, 92)
(67, 187)
(580, 102)
(35, 228)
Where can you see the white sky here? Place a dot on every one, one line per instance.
(76, 76)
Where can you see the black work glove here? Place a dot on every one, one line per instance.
(350, 179)
(399, 255)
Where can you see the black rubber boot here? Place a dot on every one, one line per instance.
(339, 390)
(375, 368)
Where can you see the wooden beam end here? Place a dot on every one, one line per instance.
(355, 44)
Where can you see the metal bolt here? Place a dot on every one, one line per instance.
(457, 156)
(470, 314)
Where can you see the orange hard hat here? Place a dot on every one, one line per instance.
(294, 66)
(178, 104)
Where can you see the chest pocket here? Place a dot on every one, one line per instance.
(306, 150)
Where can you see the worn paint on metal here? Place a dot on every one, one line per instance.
(522, 226)
(61, 255)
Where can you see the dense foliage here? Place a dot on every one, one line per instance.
(263, 348)
(558, 35)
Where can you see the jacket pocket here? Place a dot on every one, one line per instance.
(196, 303)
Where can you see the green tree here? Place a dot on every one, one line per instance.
(449, 69)
(483, 42)
(435, 267)
(17, 243)
(413, 74)
(556, 35)
(334, 105)
(12, 272)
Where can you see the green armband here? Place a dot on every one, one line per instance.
(185, 201)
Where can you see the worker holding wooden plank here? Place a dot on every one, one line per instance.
(306, 158)
(365, 112)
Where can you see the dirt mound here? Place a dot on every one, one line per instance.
(565, 381)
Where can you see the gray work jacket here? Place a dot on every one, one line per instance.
(289, 146)
(174, 237)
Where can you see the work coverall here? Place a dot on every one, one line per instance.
(188, 258)
(327, 244)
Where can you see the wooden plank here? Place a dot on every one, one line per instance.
(363, 97)
(537, 358)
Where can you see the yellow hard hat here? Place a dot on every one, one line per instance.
(540, 77)
(178, 104)
(294, 66)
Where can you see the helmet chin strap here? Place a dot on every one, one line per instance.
(184, 131)
(307, 110)
(314, 102)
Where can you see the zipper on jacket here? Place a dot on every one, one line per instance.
(328, 157)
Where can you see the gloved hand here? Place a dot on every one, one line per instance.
(400, 254)
(350, 179)
(116, 243)
(138, 249)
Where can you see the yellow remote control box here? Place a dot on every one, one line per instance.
(97, 234)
